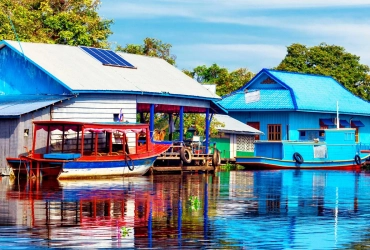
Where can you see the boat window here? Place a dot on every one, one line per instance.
(303, 133)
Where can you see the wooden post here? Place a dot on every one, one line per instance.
(37, 169)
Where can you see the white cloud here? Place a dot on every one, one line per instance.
(257, 47)
(233, 56)
(207, 8)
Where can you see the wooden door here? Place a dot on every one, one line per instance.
(255, 125)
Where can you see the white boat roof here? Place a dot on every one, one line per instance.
(80, 72)
(233, 126)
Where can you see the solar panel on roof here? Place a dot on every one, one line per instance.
(107, 57)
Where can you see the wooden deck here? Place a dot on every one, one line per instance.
(172, 169)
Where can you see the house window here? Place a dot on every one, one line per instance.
(255, 125)
(274, 132)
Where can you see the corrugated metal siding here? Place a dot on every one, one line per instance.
(264, 118)
(96, 108)
(12, 139)
(7, 142)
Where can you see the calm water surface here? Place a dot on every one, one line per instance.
(241, 210)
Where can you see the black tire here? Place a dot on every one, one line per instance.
(185, 155)
(358, 159)
(129, 163)
(298, 158)
(216, 158)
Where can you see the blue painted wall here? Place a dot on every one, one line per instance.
(19, 76)
(291, 121)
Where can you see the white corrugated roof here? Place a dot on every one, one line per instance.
(80, 72)
(234, 126)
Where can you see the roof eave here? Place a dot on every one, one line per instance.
(162, 94)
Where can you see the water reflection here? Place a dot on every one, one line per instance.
(260, 209)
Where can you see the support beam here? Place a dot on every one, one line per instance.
(151, 122)
(208, 123)
(181, 124)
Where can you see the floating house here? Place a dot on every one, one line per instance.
(60, 82)
(281, 103)
(234, 138)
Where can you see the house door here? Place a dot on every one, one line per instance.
(255, 125)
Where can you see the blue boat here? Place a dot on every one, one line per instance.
(315, 149)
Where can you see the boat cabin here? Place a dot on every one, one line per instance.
(75, 139)
(313, 145)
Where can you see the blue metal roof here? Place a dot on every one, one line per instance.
(270, 99)
(312, 93)
(16, 105)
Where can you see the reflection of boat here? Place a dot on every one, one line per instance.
(315, 149)
(78, 149)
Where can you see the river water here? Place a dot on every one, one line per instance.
(237, 209)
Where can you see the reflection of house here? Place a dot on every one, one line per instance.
(235, 138)
(279, 103)
(59, 82)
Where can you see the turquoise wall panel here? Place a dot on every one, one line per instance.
(292, 121)
(334, 152)
(269, 150)
(19, 76)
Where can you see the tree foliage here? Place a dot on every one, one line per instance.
(72, 22)
(225, 81)
(151, 47)
(329, 60)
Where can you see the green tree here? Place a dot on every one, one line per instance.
(329, 60)
(72, 22)
(151, 47)
(225, 81)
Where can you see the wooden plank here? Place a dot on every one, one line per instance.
(183, 168)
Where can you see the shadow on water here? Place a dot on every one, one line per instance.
(237, 209)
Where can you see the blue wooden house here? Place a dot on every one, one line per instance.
(280, 103)
(60, 82)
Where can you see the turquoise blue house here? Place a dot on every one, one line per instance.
(280, 103)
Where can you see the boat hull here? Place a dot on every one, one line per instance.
(23, 168)
(80, 169)
(270, 163)
(85, 169)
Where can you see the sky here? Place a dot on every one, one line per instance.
(240, 33)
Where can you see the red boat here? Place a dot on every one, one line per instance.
(63, 149)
